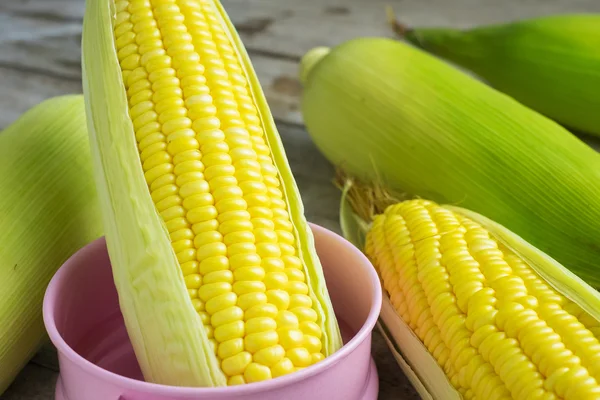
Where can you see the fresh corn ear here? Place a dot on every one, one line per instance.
(218, 279)
(48, 211)
(471, 310)
(548, 63)
(386, 112)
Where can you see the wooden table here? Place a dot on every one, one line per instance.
(40, 58)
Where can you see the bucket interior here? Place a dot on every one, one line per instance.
(88, 318)
(87, 313)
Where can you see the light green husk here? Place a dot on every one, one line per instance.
(548, 63)
(386, 112)
(359, 205)
(168, 337)
(48, 211)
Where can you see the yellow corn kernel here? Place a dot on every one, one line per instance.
(290, 338)
(236, 380)
(256, 372)
(493, 325)
(283, 367)
(299, 356)
(305, 314)
(287, 320)
(198, 304)
(300, 301)
(260, 324)
(254, 342)
(230, 348)
(312, 343)
(316, 357)
(193, 281)
(310, 328)
(262, 310)
(269, 356)
(221, 302)
(279, 298)
(226, 316)
(236, 365)
(229, 331)
(250, 300)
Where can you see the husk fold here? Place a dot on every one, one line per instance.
(168, 337)
(48, 211)
(548, 63)
(361, 202)
(382, 110)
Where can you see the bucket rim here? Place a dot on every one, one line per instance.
(126, 383)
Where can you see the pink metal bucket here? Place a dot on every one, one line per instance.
(82, 317)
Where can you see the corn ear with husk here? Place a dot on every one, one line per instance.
(386, 112)
(213, 260)
(547, 63)
(470, 309)
(48, 211)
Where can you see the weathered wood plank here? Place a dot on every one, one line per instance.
(393, 384)
(292, 27)
(45, 10)
(47, 41)
(313, 176)
(41, 67)
(40, 58)
(33, 383)
(282, 88)
(21, 90)
(56, 56)
(24, 84)
(47, 357)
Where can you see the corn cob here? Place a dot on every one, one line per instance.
(212, 257)
(48, 211)
(548, 63)
(500, 319)
(386, 112)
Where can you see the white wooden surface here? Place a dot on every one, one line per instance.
(40, 58)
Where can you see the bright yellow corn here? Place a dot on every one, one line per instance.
(470, 309)
(497, 329)
(216, 174)
(212, 178)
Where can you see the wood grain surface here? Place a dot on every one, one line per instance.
(40, 58)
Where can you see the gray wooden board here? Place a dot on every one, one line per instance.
(40, 58)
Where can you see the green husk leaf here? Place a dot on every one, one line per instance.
(523, 59)
(169, 339)
(353, 227)
(384, 111)
(48, 211)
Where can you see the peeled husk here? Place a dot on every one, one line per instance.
(361, 202)
(168, 337)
